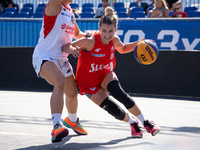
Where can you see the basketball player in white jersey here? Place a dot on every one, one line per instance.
(58, 28)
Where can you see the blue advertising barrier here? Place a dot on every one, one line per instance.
(169, 34)
(19, 32)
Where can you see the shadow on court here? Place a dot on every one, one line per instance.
(80, 146)
(25, 124)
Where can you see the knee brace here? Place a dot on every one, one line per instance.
(118, 93)
(112, 108)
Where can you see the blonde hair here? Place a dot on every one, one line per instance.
(76, 11)
(164, 3)
(178, 3)
(109, 17)
(109, 11)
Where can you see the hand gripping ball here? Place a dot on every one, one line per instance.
(146, 52)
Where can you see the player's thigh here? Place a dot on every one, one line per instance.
(99, 97)
(70, 86)
(109, 77)
(50, 72)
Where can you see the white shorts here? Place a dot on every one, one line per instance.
(62, 64)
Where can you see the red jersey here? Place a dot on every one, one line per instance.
(94, 65)
(182, 14)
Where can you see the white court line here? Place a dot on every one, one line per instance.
(13, 133)
(17, 133)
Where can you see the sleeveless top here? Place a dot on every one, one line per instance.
(56, 31)
(94, 65)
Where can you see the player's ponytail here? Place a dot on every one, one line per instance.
(75, 11)
(109, 17)
(109, 11)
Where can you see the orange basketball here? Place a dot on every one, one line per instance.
(146, 52)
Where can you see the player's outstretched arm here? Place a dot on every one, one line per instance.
(123, 48)
(75, 47)
(69, 49)
(85, 42)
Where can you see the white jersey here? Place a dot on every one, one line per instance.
(56, 31)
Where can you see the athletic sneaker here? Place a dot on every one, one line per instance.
(76, 126)
(58, 133)
(136, 132)
(151, 127)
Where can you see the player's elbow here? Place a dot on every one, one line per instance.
(121, 51)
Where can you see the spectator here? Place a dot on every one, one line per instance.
(170, 4)
(160, 10)
(6, 3)
(172, 9)
(145, 4)
(179, 13)
(101, 11)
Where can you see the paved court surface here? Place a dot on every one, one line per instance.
(25, 124)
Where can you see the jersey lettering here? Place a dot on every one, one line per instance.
(96, 67)
(68, 29)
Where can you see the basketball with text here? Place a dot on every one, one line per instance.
(146, 52)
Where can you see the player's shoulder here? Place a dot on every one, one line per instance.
(87, 39)
(88, 42)
(116, 39)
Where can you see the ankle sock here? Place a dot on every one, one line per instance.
(72, 117)
(56, 117)
(132, 120)
(141, 118)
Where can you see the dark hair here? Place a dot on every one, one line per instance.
(109, 17)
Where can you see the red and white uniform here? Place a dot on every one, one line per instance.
(94, 65)
(56, 31)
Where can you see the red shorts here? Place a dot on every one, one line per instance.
(91, 89)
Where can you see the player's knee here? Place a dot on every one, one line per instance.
(113, 109)
(72, 95)
(60, 84)
(128, 102)
(118, 93)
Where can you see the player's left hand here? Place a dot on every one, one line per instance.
(76, 51)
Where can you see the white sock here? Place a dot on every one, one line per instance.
(141, 118)
(56, 118)
(132, 120)
(72, 117)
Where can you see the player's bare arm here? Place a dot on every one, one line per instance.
(69, 49)
(86, 43)
(123, 48)
(53, 7)
(75, 47)
(77, 33)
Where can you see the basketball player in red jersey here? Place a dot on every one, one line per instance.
(95, 73)
(50, 62)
